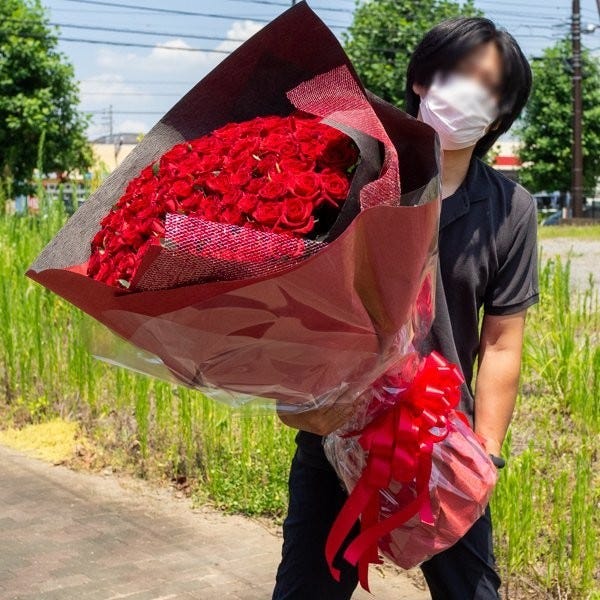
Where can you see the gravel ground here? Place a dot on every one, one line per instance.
(585, 257)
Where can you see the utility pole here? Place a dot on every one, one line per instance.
(110, 122)
(107, 120)
(577, 168)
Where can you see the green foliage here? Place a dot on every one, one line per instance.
(544, 508)
(547, 124)
(384, 34)
(38, 98)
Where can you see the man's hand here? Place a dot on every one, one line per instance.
(323, 420)
(498, 374)
(493, 446)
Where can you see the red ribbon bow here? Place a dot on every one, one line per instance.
(398, 444)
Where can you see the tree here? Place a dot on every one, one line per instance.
(384, 34)
(547, 124)
(38, 99)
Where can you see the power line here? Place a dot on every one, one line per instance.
(187, 13)
(169, 11)
(508, 14)
(287, 5)
(221, 51)
(208, 37)
(146, 94)
(125, 112)
(133, 81)
(146, 32)
(129, 44)
(198, 36)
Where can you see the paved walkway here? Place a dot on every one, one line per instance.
(81, 536)
(585, 256)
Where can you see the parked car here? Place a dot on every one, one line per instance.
(553, 219)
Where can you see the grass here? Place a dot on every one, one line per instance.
(545, 507)
(587, 232)
(55, 441)
(546, 502)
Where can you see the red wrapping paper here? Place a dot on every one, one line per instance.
(327, 324)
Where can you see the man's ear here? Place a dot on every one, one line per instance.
(493, 126)
(418, 89)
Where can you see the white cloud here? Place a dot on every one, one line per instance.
(240, 30)
(95, 130)
(174, 56)
(132, 126)
(126, 77)
(106, 88)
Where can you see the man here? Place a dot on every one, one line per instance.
(469, 81)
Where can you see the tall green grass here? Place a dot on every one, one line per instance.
(46, 369)
(590, 232)
(545, 507)
(546, 503)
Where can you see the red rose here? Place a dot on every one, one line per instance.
(269, 173)
(267, 213)
(266, 164)
(335, 186)
(340, 153)
(210, 163)
(176, 152)
(181, 188)
(295, 213)
(244, 147)
(241, 177)
(254, 185)
(296, 165)
(232, 214)
(247, 203)
(210, 209)
(272, 190)
(192, 202)
(220, 183)
(307, 185)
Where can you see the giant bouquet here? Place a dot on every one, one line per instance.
(274, 237)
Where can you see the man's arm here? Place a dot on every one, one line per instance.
(499, 368)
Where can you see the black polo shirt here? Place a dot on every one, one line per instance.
(487, 263)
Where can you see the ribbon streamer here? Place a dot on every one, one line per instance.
(399, 444)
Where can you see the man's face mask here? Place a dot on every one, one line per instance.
(459, 108)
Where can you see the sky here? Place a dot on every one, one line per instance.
(143, 81)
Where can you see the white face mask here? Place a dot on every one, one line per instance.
(459, 109)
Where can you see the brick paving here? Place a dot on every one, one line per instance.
(69, 535)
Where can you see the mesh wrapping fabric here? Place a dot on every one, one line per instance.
(337, 96)
(198, 250)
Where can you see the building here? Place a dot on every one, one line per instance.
(506, 158)
(110, 150)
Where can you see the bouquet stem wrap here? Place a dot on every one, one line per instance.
(399, 444)
(418, 476)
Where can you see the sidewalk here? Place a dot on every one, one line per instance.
(72, 535)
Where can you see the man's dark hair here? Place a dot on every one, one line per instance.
(443, 47)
